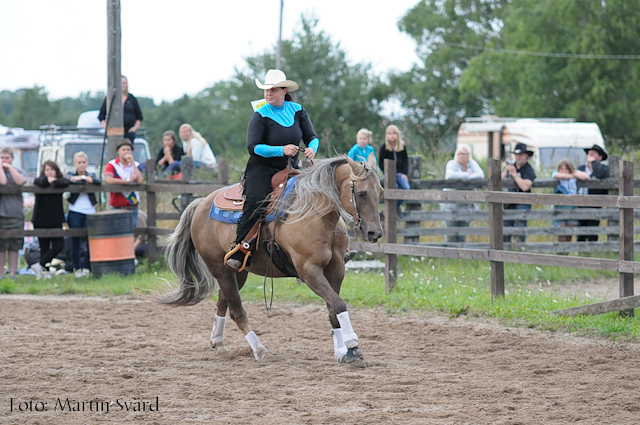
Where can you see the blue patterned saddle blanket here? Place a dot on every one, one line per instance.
(233, 216)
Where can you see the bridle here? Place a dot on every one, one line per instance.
(352, 184)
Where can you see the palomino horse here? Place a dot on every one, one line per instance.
(312, 233)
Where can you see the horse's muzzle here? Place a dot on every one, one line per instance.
(374, 236)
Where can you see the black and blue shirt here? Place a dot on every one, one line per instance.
(273, 127)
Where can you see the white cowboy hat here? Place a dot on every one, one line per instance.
(276, 78)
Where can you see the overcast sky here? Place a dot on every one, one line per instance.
(171, 48)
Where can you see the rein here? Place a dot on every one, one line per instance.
(352, 184)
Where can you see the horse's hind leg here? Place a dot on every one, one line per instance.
(219, 321)
(230, 284)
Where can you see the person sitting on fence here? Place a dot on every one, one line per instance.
(462, 166)
(362, 149)
(125, 171)
(595, 169)
(196, 146)
(48, 213)
(80, 206)
(568, 176)
(170, 154)
(394, 148)
(523, 176)
(11, 211)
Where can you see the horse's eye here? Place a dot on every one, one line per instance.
(362, 194)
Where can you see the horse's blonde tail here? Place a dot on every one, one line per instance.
(196, 282)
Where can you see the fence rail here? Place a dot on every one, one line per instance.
(625, 203)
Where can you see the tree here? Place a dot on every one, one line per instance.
(31, 109)
(340, 98)
(603, 91)
(429, 92)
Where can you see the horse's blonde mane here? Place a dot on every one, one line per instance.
(316, 192)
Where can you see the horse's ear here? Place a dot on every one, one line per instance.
(372, 160)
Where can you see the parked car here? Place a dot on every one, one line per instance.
(59, 144)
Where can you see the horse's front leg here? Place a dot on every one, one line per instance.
(326, 284)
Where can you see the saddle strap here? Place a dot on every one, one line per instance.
(278, 256)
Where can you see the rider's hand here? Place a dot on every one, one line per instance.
(309, 153)
(291, 150)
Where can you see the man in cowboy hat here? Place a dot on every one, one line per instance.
(595, 170)
(523, 176)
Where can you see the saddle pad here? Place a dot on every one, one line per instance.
(233, 216)
(230, 198)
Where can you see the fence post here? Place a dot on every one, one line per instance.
(152, 241)
(626, 232)
(495, 229)
(187, 175)
(415, 173)
(390, 217)
(223, 171)
(615, 170)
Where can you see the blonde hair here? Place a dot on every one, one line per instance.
(365, 132)
(567, 163)
(399, 146)
(7, 149)
(80, 154)
(194, 135)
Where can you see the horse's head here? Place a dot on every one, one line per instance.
(361, 196)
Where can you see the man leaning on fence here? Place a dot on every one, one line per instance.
(523, 176)
(595, 169)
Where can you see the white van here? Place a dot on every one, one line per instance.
(59, 144)
(25, 144)
(550, 139)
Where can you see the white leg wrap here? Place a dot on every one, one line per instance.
(338, 344)
(217, 333)
(255, 343)
(348, 334)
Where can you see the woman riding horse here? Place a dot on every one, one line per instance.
(274, 134)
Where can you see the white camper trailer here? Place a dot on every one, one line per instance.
(549, 139)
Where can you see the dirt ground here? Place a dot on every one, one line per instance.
(422, 369)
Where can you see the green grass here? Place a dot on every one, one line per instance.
(452, 287)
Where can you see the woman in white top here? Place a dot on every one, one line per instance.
(461, 167)
(81, 205)
(197, 147)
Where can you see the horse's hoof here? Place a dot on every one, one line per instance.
(219, 346)
(349, 255)
(353, 358)
(262, 354)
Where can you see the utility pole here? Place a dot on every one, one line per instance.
(279, 55)
(115, 118)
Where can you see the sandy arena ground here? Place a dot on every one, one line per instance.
(421, 369)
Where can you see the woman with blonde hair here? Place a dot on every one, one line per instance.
(393, 148)
(81, 205)
(197, 147)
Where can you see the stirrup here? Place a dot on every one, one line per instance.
(233, 251)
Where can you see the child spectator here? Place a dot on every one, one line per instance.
(568, 176)
(80, 206)
(362, 149)
(124, 170)
(170, 154)
(11, 211)
(48, 213)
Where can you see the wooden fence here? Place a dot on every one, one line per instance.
(495, 254)
(186, 187)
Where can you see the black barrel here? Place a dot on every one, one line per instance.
(111, 243)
